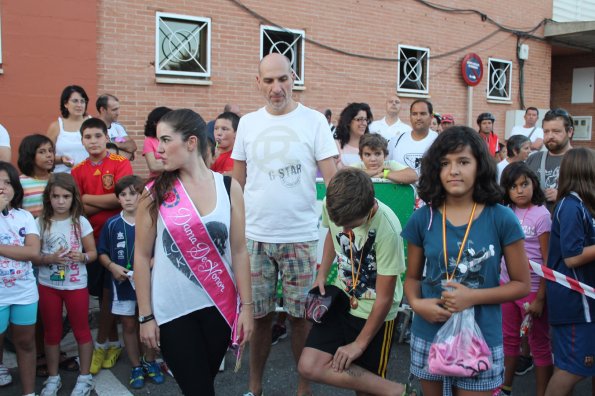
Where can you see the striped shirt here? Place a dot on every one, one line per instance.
(33, 194)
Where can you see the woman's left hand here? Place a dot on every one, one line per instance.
(245, 324)
(458, 299)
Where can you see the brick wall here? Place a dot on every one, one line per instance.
(126, 31)
(562, 69)
(46, 45)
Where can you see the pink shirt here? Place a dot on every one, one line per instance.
(535, 221)
(150, 146)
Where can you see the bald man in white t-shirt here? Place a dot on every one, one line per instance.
(391, 125)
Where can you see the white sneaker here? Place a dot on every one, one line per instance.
(51, 386)
(5, 377)
(83, 386)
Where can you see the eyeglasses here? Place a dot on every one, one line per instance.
(78, 101)
(361, 119)
(559, 112)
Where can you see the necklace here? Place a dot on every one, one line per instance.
(355, 275)
(128, 256)
(524, 214)
(449, 278)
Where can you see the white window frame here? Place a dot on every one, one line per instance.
(299, 74)
(490, 80)
(405, 65)
(206, 73)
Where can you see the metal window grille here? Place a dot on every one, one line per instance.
(289, 42)
(183, 45)
(413, 69)
(499, 79)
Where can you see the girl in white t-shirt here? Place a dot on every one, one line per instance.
(19, 243)
(65, 234)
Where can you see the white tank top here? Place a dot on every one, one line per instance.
(69, 144)
(174, 291)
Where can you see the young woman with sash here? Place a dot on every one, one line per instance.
(191, 303)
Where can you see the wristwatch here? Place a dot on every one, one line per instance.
(145, 319)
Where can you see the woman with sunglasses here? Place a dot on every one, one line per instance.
(353, 124)
(65, 131)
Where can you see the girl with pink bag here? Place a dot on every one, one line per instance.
(455, 244)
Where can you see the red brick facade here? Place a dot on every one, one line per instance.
(562, 68)
(124, 55)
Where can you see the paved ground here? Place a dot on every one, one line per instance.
(280, 376)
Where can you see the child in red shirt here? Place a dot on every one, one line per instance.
(96, 178)
(226, 126)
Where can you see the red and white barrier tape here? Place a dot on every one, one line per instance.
(562, 279)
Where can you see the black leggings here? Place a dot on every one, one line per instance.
(193, 347)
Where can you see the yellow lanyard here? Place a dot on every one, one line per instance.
(449, 278)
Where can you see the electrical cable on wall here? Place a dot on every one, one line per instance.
(484, 17)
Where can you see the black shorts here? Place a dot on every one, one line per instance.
(341, 329)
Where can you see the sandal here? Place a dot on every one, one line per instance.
(68, 363)
(41, 367)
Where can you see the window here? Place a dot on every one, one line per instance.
(289, 42)
(499, 79)
(183, 46)
(413, 69)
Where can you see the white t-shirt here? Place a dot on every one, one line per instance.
(500, 168)
(17, 282)
(407, 151)
(520, 130)
(281, 154)
(69, 143)
(116, 130)
(175, 291)
(389, 131)
(70, 276)
(4, 138)
(349, 154)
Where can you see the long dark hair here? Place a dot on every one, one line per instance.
(152, 120)
(577, 174)
(17, 201)
(186, 123)
(512, 173)
(347, 115)
(485, 190)
(65, 97)
(28, 151)
(65, 181)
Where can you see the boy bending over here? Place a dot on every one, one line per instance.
(350, 348)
